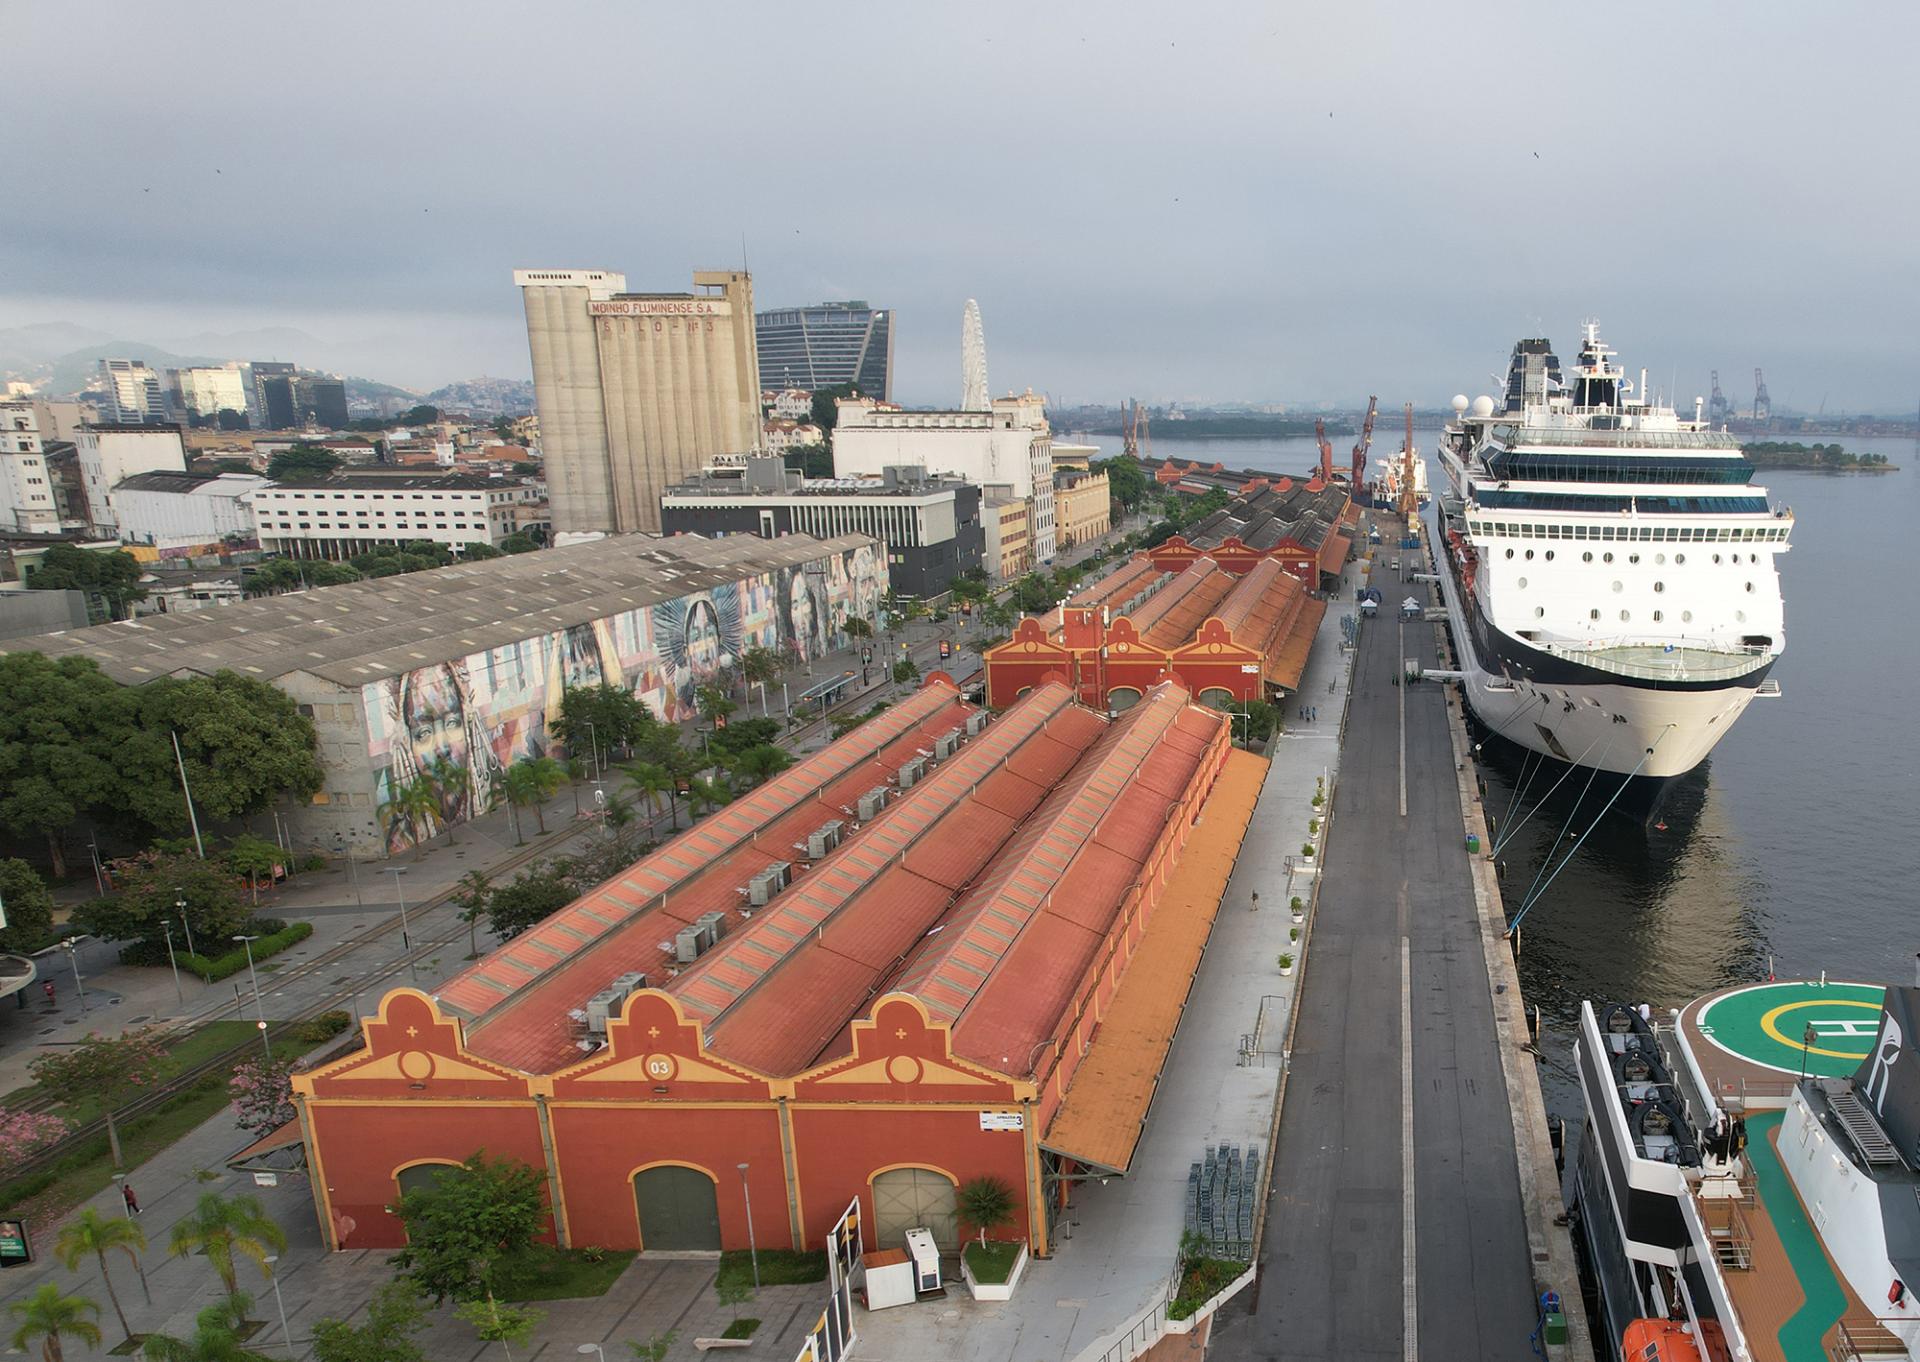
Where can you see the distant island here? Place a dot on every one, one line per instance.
(1822, 458)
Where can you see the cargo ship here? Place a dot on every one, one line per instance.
(1609, 568)
(1747, 1177)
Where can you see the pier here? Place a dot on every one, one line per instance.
(1413, 1191)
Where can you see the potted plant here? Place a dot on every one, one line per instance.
(1298, 909)
(991, 1270)
(1286, 963)
(1293, 933)
(1306, 849)
(1313, 827)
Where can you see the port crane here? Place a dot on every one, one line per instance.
(1365, 444)
(1762, 404)
(1135, 440)
(1326, 448)
(1718, 408)
(1409, 506)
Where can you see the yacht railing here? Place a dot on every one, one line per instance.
(1687, 662)
(1857, 1338)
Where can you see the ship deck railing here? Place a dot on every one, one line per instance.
(1658, 662)
(1860, 1338)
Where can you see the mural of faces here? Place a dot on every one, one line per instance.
(484, 712)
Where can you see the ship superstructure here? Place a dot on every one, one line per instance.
(1608, 567)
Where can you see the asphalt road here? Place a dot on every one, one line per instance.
(1335, 1267)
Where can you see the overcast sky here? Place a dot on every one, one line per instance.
(1192, 201)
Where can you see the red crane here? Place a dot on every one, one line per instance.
(1326, 449)
(1361, 449)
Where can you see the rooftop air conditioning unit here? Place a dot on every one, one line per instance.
(601, 1007)
(946, 745)
(715, 925)
(872, 802)
(688, 942)
(824, 839)
(977, 723)
(910, 774)
(762, 887)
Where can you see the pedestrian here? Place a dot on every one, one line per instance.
(47, 988)
(133, 1202)
(1253, 904)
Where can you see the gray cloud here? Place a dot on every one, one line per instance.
(1145, 199)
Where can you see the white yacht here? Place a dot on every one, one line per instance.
(1608, 567)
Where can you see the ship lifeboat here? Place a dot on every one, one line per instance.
(1660, 1340)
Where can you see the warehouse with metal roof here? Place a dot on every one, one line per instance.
(884, 972)
(467, 664)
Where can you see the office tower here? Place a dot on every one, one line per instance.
(827, 345)
(133, 391)
(269, 411)
(973, 360)
(205, 392)
(637, 390)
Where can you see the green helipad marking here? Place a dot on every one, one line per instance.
(1767, 1025)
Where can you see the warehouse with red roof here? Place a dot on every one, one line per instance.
(880, 974)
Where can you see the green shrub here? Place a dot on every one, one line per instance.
(323, 1027)
(315, 862)
(1297, 906)
(221, 966)
(1306, 849)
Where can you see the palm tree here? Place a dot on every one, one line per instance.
(471, 897)
(47, 1314)
(544, 777)
(762, 763)
(577, 770)
(520, 789)
(762, 666)
(215, 1336)
(619, 816)
(100, 1235)
(416, 803)
(703, 792)
(221, 1226)
(986, 1204)
(445, 779)
(649, 780)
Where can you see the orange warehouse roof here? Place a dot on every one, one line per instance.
(1106, 1106)
(1333, 552)
(1170, 618)
(1119, 584)
(1288, 662)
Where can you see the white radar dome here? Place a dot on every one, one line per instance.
(1459, 403)
(1483, 405)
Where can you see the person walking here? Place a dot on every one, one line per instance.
(47, 988)
(1253, 904)
(133, 1202)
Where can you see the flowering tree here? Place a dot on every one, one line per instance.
(262, 1096)
(26, 1132)
(108, 1069)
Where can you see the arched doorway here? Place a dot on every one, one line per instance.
(906, 1197)
(418, 1177)
(679, 1209)
(1122, 697)
(1216, 697)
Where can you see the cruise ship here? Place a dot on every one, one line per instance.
(1747, 1182)
(1609, 568)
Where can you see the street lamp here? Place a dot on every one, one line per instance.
(593, 737)
(752, 1248)
(167, 925)
(73, 958)
(285, 1333)
(180, 902)
(260, 1012)
(406, 931)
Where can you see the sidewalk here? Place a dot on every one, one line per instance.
(1118, 1237)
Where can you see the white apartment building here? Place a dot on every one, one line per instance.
(788, 404)
(167, 510)
(781, 435)
(206, 392)
(356, 512)
(133, 392)
(26, 490)
(109, 454)
(1007, 449)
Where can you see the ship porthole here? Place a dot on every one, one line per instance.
(1509, 553)
(1686, 617)
(1523, 584)
(1633, 558)
(1606, 557)
(1716, 557)
(1740, 615)
(1625, 616)
(1616, 586)
(1586, 557)
(1679, 558)
(1529, 555)
(1539, 612)
(1660, 558)
(1749, 586)
(1659, 586)
(1657, 617)
(1593, 614)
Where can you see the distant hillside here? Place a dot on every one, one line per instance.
(485, 397)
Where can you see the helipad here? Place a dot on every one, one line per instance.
(1825, 1028)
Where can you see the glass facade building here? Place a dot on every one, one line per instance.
(827, 345)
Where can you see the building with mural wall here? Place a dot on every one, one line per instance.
(468, 664)
(942, 948)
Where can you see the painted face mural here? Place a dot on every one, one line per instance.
(484, 712)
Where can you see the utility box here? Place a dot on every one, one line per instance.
(601, 1007)
(977, 723)
(946, 745)
(824, 839)
(688, 942)
(715, 926)
(910, 774)
(762, 887)
(889, 1278)
(926, 1259)
(871, 803)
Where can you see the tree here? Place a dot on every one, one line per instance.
(733, 1293)
(763, 667)
(98, 1235)
(220, 1227)
(619, 815)
(448, 782)
(703, 794)
(393, 1317)
(534, 780)
(25, 1133)
(577, 770)
(253, 857)
(421, 414)
(649, 780)
(985, 1203)
(107, 1069)
(714, 704)
(470, 899)
(245, 743)
(470, 1227)
(47, 1315)
(262, 1092)
(70, 743)
(302, 462)
(858, 628)
(478, 551)
(762, 763)
(416, 803)
(905, 670)
(149, 888)
(656, 1348)
(610, 715)
(531, 897)
(29, 906)
(825, 409)
(1128, 481)
(518, 543)
(810, 461)
(113, 576)
(216, 1336)
(495, 1322)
